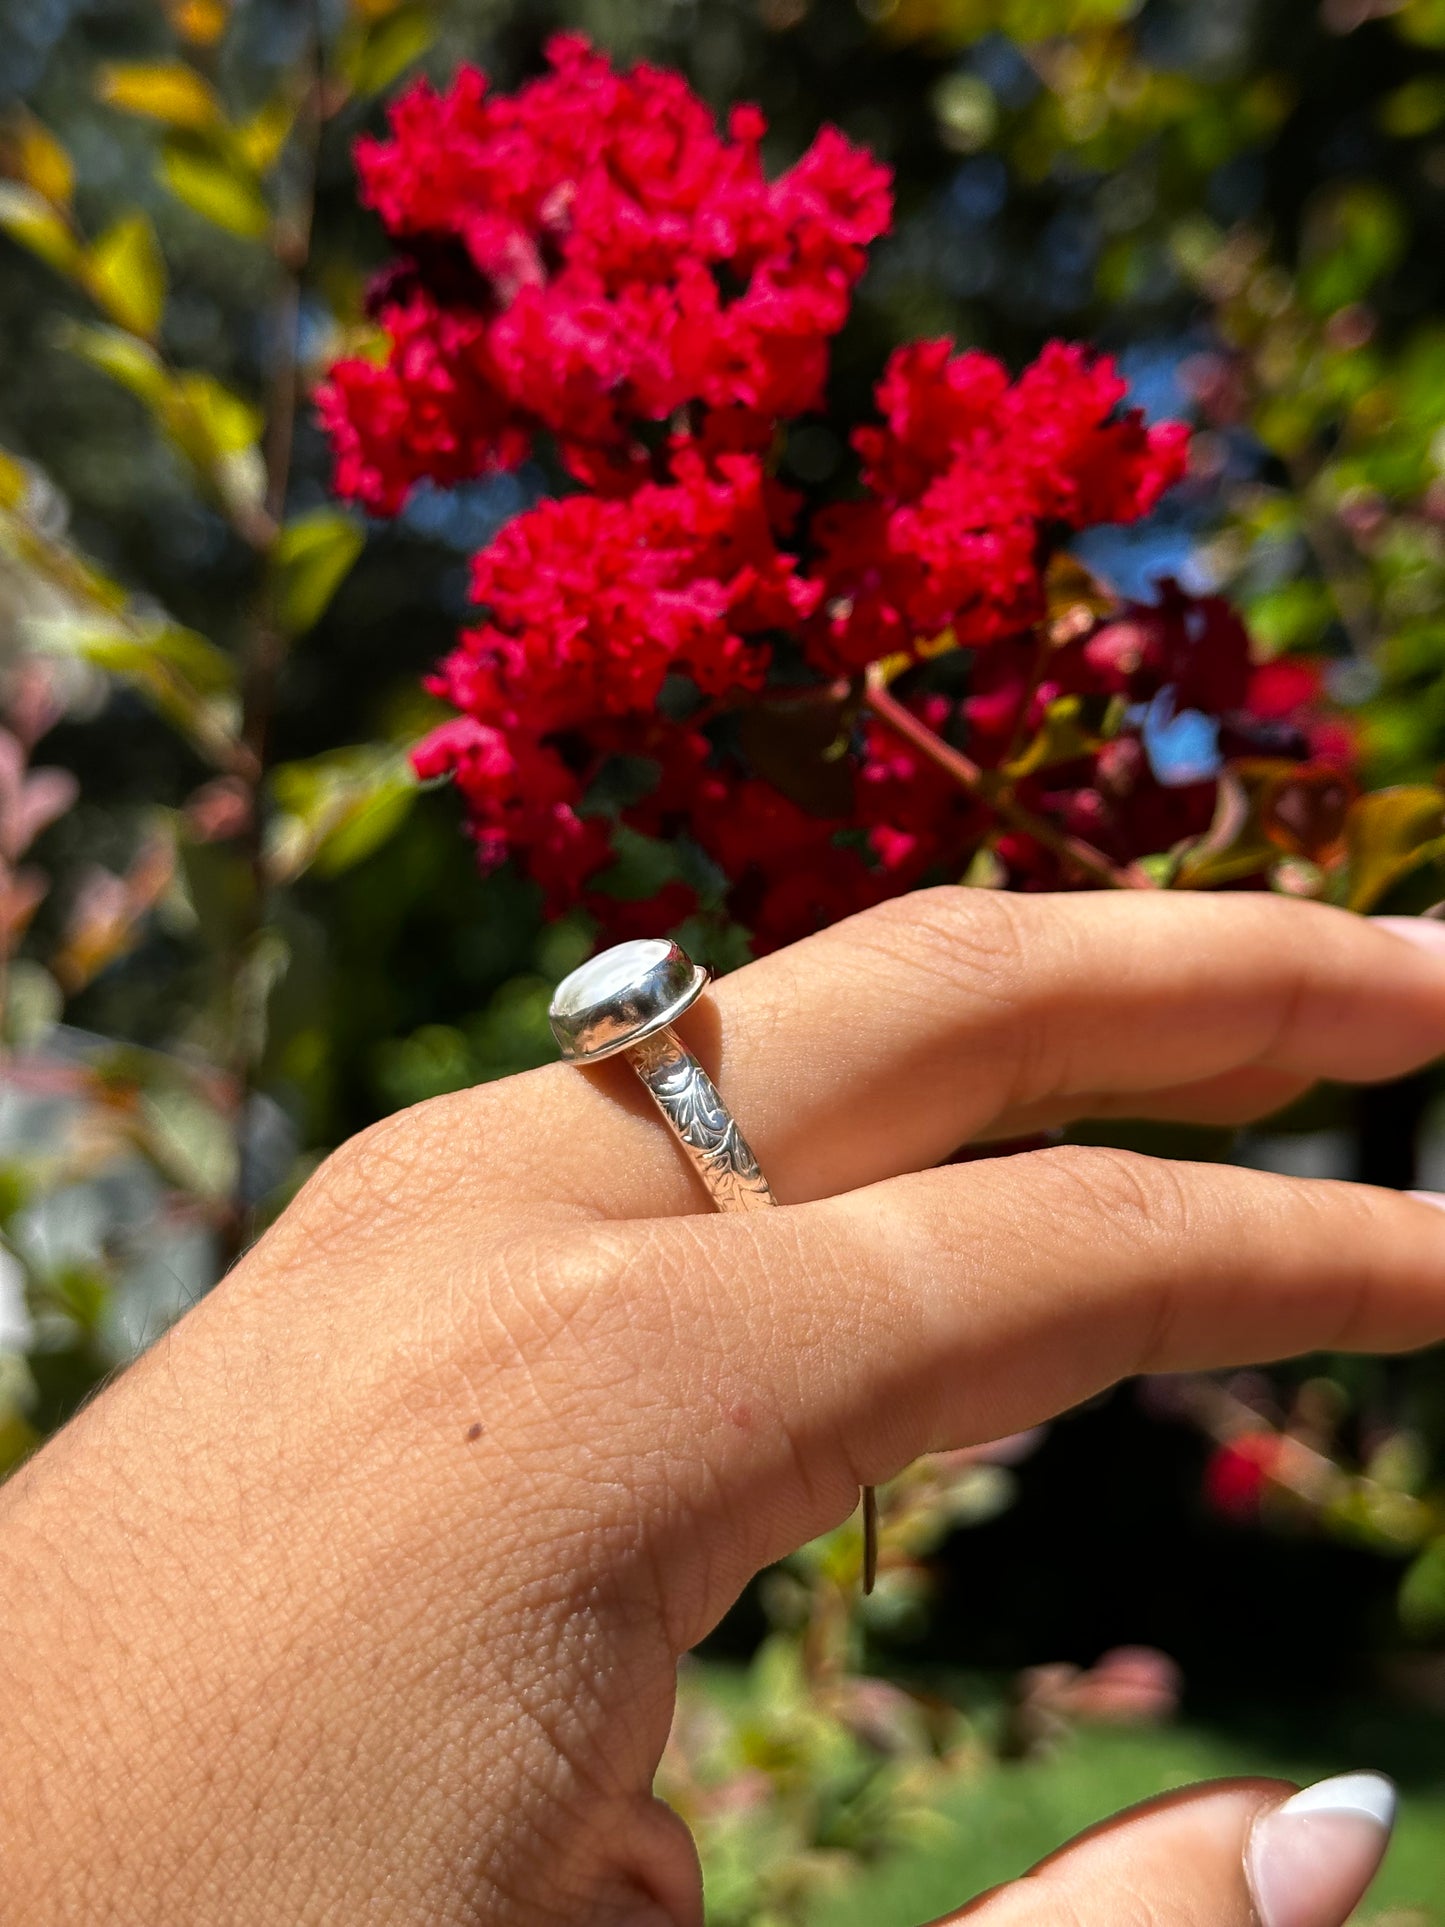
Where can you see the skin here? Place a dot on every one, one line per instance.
(359, 1597)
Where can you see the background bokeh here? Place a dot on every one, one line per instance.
(227, 946)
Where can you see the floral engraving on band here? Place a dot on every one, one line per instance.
(689, 1100)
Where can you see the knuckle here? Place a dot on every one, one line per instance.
(385, 1180)
(367, 1183)
(977, 938)
(1100, 1184)
(607, 1298)
(564, 1290)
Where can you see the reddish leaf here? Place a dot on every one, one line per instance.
(795, 747)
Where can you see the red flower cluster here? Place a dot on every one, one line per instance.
(592, 601)
(584, 257)
(966, 480)
(678, 650)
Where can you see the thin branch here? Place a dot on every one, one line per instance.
(265, 654)
(998, 796)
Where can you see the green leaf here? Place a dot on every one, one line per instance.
(1422, 1591)
(338, 808)
(1414, 109)
(213, 427)
(38, 159)
(14, 481)
(126, 274)
(163, 90)
(1234, 845)
(261, 139)
(121, 356)
(1353, 235)
(33, 1003)
(219, 430)
(227, 420)
(215, 181)
(189, 680)
(642, 865)
(385, 48)
(1064, 735)
(30, 219)
(191, 656)
(312, 557)
(1391, 833)
(366, 827)
(1291, 615)
(191, 1142)
(18, 1437)
(1422, 21)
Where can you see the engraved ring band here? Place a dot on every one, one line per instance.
(624, 1003)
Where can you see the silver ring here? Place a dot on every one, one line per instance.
(624, 1003)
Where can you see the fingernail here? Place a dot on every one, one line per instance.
(1437, 1198)
(1310, 1860)
(1426, 932)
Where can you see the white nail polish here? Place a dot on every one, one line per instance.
(1310, 1860)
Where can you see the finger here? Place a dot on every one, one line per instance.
(786, 1357)
(884, 1043)
(1234, 1098)
(1238, 1854)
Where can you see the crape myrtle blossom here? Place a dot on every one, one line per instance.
(966, 481)
(588, 266)
(588, 257)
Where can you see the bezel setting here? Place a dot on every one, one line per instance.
(622, 996)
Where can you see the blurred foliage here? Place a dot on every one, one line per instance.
(991, 1821)
(232, 931)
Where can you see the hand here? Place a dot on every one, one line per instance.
(359, 1597)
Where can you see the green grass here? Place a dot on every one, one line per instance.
(993, 1826)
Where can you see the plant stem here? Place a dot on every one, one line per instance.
(265, 653)
(998, 796)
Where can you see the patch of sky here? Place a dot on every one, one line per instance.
(1152, 370)
(1068, 249)
(999, 61)
(315, 325)
(1182, 744)
(466, 518)
(1135, 560)
(1071, 241)
(977, 191)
